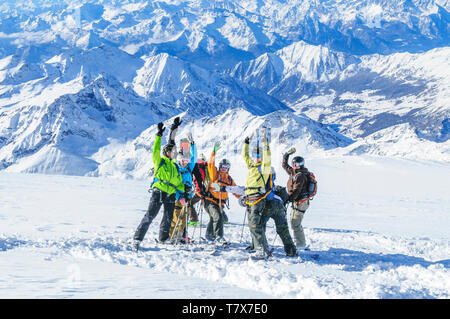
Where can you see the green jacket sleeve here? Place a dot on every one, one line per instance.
(157, 151)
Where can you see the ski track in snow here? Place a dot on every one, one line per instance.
(410, 268)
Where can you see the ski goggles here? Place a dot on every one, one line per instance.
(256, 155)
(227, 166)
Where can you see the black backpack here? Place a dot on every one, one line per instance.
(311, 187)
(281, 192)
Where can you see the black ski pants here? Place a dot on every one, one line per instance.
(258, 216)
(157, 199)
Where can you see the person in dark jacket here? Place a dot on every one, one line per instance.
(296, 187)
(200, 174)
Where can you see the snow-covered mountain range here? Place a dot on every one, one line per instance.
(83, 83)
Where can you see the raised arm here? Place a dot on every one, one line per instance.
(266, 160)
(193, 157)
(173, 130)
(245, 154)
(157, 144)
(285, 164)
(212, 171)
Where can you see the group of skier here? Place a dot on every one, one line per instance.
(182, 180)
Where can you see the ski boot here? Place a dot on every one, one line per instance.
(136, 245)
(260, 255)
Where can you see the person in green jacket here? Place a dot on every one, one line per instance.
(166, 183)
(256, 192)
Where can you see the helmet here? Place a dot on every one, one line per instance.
(202, 157)
(169, 148)
(298, 161)
(257, 152)
(224, 163)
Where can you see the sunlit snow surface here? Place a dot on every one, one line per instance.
(378, 228)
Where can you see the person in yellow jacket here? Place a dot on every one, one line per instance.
(216, 195)
(166, 183)
(257, 192)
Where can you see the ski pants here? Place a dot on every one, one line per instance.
(258, 216)
(273, 209)
(214, 229)
(179, 220)
(193, 215)
(297, 214)
(278, 214)
(158, 198)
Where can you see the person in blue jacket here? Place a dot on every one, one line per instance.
(183, 200)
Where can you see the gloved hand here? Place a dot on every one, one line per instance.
(289, 152)
(161, 129)
(176, 123)
(263, 131)
(216, 146)
(215, 187)
(249, 138)
(187, 189)
(241, 201)
(190, 138)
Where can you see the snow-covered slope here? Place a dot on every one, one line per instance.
(70, 105)
(58, 126)
(359, 96)
(399, 141)
(377, 235)
(294, 64)
(186, 86)
(134, 159)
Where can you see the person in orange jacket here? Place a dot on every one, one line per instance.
(217, 195)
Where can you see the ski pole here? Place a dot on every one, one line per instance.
(201, 220)
(243, 223)
(175, 229)
(186, 220)
(195, 228)
(274, 238)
